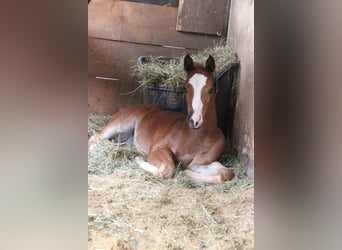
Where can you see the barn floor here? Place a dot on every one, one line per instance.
(130, 209)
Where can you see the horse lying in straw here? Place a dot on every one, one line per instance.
(194, 140)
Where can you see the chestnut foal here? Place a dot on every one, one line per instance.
(194, 140)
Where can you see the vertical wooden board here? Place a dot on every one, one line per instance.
(202, 16)
(241, 39)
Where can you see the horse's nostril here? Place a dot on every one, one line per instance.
(189, 116)
(196, 123)
(191, 121)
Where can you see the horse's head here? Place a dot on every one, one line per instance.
(200, 92)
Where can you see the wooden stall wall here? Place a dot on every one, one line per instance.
(241, 38)
(121, 31)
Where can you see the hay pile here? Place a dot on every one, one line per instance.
(96, 123)
(171, 72)
(131, 209)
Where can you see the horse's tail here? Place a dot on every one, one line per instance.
(123, 123)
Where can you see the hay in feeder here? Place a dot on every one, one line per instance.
(171, 72)
(131, 209)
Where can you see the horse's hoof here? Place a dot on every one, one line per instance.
(227, 175)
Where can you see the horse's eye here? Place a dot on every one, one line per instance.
(211, 90)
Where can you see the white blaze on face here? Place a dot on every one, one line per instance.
(197, 81)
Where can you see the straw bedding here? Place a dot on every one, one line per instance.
(131, 209)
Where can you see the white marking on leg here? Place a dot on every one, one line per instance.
(162, 171)
(146, 165)
(212, 173)
(197, 81)
(211, 169)
(212, 179)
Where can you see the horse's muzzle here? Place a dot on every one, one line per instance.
(194, 123)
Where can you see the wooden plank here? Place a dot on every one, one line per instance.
(103, 96)
(141, 23)
(169, 3)
(114, 60)
(202, 16)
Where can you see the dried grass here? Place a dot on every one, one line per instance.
(171, 72)
(96, 122)
(131, 209)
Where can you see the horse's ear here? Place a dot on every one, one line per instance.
(188, 64)
(210, 64)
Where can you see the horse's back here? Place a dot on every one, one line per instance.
(134, 112)
(122, 125)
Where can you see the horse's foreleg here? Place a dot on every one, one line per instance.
(159, 162)
(213, 173)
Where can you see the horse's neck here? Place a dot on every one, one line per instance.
(211, 113)
(210, 123)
